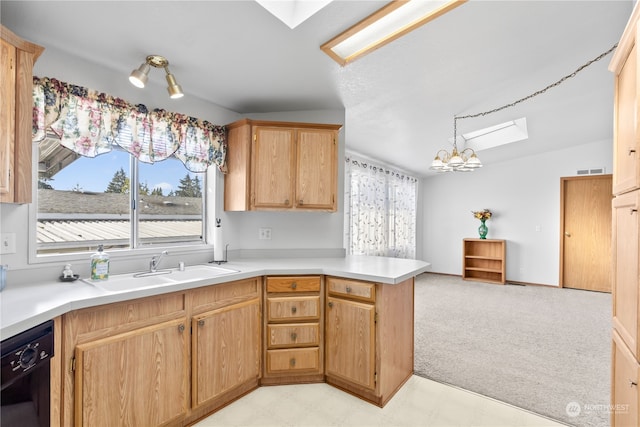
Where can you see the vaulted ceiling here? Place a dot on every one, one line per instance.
(399, 100)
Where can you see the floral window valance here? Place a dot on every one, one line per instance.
(89, 123)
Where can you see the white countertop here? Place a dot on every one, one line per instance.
(25, 306)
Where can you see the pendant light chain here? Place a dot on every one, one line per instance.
(540, 92)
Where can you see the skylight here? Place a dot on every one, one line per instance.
(293, 12)
(497, 135)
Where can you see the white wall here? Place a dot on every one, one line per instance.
(290, 231)
(523, 194)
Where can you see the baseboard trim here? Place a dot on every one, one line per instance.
(508, 282)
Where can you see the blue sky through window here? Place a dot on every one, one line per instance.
(94, 174)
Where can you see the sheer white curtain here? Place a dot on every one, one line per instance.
(380, 210)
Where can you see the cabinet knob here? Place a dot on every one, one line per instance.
(201, 322)
(301, 202)
(632, 384)
(566, 233)
(286, 202)
(348, 289)
(631, 151)
(632, 211)
(330, 304)
(294, 285)
(294, 309)
(181, 328)
(292, 362)
(294, 336)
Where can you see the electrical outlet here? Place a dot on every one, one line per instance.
(264, 233)
(7, 243)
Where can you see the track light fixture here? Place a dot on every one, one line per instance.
(140, 75)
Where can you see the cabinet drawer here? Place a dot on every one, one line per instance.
(293, 284)
(293, 360)
(293, 308)
(352, 288)
(293, 335)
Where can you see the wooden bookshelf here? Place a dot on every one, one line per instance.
(483, 260)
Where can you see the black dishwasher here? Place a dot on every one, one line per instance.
(24, 398)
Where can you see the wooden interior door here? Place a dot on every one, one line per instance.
(585, 227)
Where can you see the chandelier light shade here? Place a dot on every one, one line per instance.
(456, 161)
(140, 75)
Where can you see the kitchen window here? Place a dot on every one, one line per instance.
(116, 174)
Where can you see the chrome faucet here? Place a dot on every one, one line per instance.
(155, 261)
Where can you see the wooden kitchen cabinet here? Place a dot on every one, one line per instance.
(163, 360)
(281, 166)
(294, 350)
(625, 229)
(625, 379)
(137, 378)
(110, 351)
(226, 350)
(17, 58)
(369, 337)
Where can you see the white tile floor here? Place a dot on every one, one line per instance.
(420, 402)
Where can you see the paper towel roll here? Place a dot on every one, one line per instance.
(218, 245)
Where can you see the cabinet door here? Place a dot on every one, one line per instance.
(624, 390)
(7, 117)
(625, 265)
(625, 153)
(138, 378)
(316, 169)
(350, 341)
(226, 350)
(272, 164)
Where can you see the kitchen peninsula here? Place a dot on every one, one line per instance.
(202, 343)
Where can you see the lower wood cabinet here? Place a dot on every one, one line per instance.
(137, 378)
(625, 377)
(166, 360)
(169, 360)
(369, 337)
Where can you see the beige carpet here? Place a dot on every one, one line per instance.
(535, 347)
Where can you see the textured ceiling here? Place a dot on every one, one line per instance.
(399, 100)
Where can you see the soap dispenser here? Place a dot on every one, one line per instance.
(100, 264)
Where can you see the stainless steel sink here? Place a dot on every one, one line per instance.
(145, 280)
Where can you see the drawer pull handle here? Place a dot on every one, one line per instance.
(292, 362)
(201, 322)
(294, 336)
(632, 384)
(294, 309)
(181, 328)
(348, 289)
(294, 285)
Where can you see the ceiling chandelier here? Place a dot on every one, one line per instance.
(140, 75)
(467, 160)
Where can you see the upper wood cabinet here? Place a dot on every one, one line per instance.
(626, 151)
(17, 57)
(281, 166)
